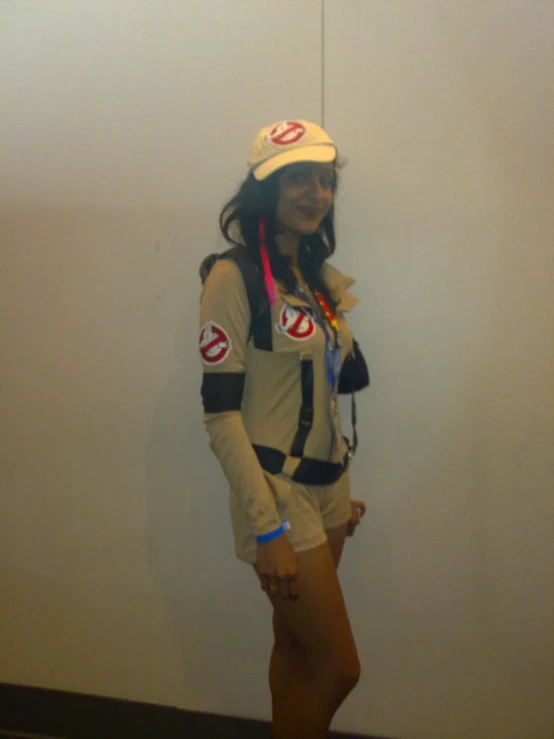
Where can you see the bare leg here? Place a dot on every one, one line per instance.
(335, 539)
(298, 712)
(314, 664)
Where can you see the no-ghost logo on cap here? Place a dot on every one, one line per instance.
(287, 133)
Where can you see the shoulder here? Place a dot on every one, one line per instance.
(339, 285)
(224, 296)
(224, 275)
(224, 299)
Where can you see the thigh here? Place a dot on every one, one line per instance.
(334, 504)
(318, 623)
(335, 539)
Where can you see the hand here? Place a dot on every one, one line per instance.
(277, 568)
(357, 512)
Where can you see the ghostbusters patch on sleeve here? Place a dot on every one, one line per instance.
(296, 323)
(215, 344)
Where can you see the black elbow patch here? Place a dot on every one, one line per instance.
(222, 391)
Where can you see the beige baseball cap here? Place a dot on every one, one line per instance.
(287, 142)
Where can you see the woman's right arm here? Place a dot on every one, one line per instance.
(225, 327)
(224, 332)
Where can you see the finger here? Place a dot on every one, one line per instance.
(264, 581)
(294, 588)
(284, 588)
(273, 587)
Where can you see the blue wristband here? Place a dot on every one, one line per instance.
(269, 537)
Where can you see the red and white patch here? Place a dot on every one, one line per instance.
(296, 323)
(215, 344)
(287, 133)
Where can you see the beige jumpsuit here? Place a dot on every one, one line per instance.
(272, 420)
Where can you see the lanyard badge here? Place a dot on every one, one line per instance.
(333, 353)
(332, 348)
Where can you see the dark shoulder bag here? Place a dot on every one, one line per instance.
(354, 377)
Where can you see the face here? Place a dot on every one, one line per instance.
(306, 192)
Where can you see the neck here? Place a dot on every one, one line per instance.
(288, 244)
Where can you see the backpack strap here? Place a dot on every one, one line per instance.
(260, 321)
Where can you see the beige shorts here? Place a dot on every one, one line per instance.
(309, 510)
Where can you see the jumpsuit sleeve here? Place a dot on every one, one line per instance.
(224, 334)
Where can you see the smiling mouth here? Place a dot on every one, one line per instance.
(309, 212)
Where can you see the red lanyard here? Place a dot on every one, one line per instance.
(327, 310)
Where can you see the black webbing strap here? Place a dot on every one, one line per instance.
(306, 416)
(308, 472)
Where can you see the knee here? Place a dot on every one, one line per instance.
(338, 677)
(353, 673)
(349, 672)
(333, 673)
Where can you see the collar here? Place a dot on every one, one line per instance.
(338, 284)
(336, 281)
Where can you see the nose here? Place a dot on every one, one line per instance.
(316, 188)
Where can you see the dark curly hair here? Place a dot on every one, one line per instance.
(239, 223)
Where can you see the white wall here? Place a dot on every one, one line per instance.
(125, 127)
(447, 110)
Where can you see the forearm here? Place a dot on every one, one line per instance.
(231, 445)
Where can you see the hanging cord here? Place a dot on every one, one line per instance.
(268, 277)
(354, 445)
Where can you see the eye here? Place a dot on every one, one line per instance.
(327, 181)
(297, 176)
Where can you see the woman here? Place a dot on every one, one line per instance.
(271, 411)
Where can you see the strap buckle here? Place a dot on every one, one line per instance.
(306, 417)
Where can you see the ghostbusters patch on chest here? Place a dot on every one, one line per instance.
(215, 344)
(296, 323)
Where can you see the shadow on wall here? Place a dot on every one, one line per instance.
(190, 543)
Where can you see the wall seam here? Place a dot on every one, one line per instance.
(323, 63)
